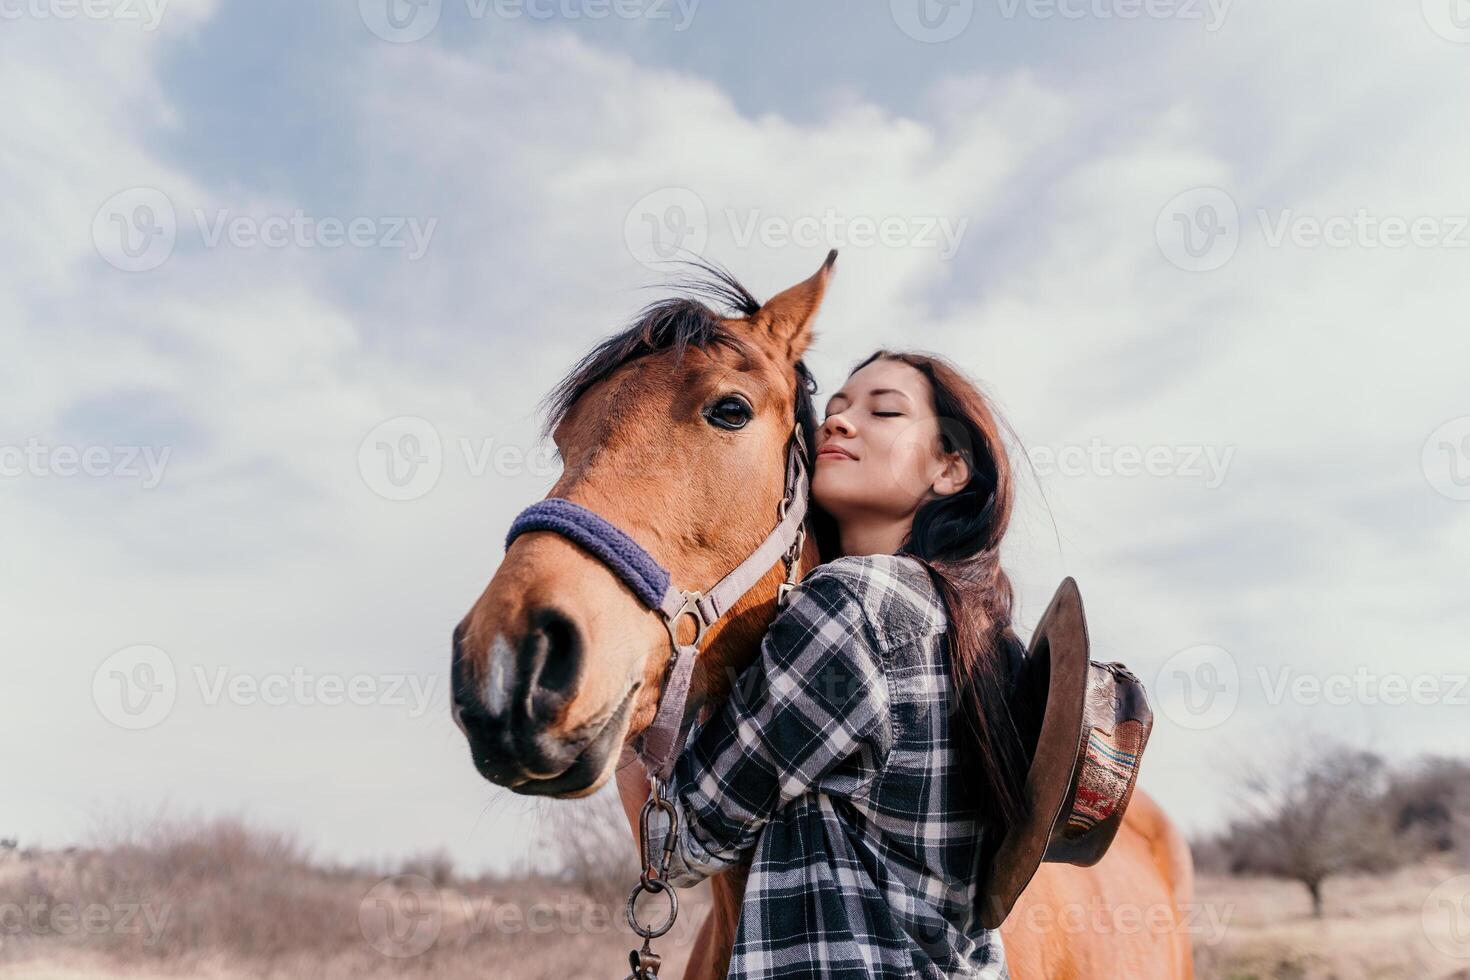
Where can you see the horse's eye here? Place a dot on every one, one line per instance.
(730, 413)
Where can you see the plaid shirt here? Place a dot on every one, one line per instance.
(832, 759)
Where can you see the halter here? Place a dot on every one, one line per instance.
(659, 744)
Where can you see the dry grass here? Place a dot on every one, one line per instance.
(1373, 928)
(217, 899)
(220, 901)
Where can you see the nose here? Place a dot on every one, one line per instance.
(833, 424)
(506, 697)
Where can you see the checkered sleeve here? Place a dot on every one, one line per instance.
(811, 712)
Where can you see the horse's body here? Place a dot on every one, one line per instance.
(557, 667)
(1122, 918)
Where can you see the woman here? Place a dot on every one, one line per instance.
(838, 756)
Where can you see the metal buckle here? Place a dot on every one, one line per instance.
(792, 558)
(689, 607)
(800, 448)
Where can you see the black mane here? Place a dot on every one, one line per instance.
(676, 324)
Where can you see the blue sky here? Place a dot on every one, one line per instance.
(1231, 237)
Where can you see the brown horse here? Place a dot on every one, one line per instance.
(558, 666)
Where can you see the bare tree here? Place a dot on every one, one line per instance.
(1320, 812)
(436, 865)
(1430, 804)
(596, 848)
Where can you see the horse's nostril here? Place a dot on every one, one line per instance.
(555, 646)
(509, 694)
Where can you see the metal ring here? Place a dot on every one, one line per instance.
(654, 885)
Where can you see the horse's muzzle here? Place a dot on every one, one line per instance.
(509, 709)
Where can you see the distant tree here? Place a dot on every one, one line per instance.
(589, 842)
(1430, 806)
(1210, 854)
(436, 865)
(1320, 812)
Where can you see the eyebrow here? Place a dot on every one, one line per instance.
(874, 392)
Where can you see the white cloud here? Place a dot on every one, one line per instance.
(1324, 371)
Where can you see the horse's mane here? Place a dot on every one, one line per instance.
(679, 323)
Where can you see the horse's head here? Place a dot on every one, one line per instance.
(675, 431)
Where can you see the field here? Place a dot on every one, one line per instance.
(223, 902)
(1373, 928)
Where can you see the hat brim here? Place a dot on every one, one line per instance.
(1060, 648)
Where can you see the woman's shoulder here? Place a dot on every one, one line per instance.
(895, 594)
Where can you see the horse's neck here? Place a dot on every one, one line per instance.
(710, 957)
(734, 650)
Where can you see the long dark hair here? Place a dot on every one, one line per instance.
(958, 538)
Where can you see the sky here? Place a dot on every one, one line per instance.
(282, 286)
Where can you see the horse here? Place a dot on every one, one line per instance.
(557, 667)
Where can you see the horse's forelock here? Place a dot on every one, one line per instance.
(674, 324)
(677, 324)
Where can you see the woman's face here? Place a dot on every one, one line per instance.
(878, 450)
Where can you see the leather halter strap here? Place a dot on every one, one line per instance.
(658, 746)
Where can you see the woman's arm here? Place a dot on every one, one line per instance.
(812, 709)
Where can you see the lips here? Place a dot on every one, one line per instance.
(586, 767)
(834, 451)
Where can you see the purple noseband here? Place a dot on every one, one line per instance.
(660, 743)
(637, 568)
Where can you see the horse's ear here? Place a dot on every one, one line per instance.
(787, 316)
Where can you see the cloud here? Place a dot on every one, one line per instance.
(547, 163)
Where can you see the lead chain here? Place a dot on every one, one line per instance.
(645, 962)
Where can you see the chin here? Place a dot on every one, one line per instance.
(839, 496)
(585, 776)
